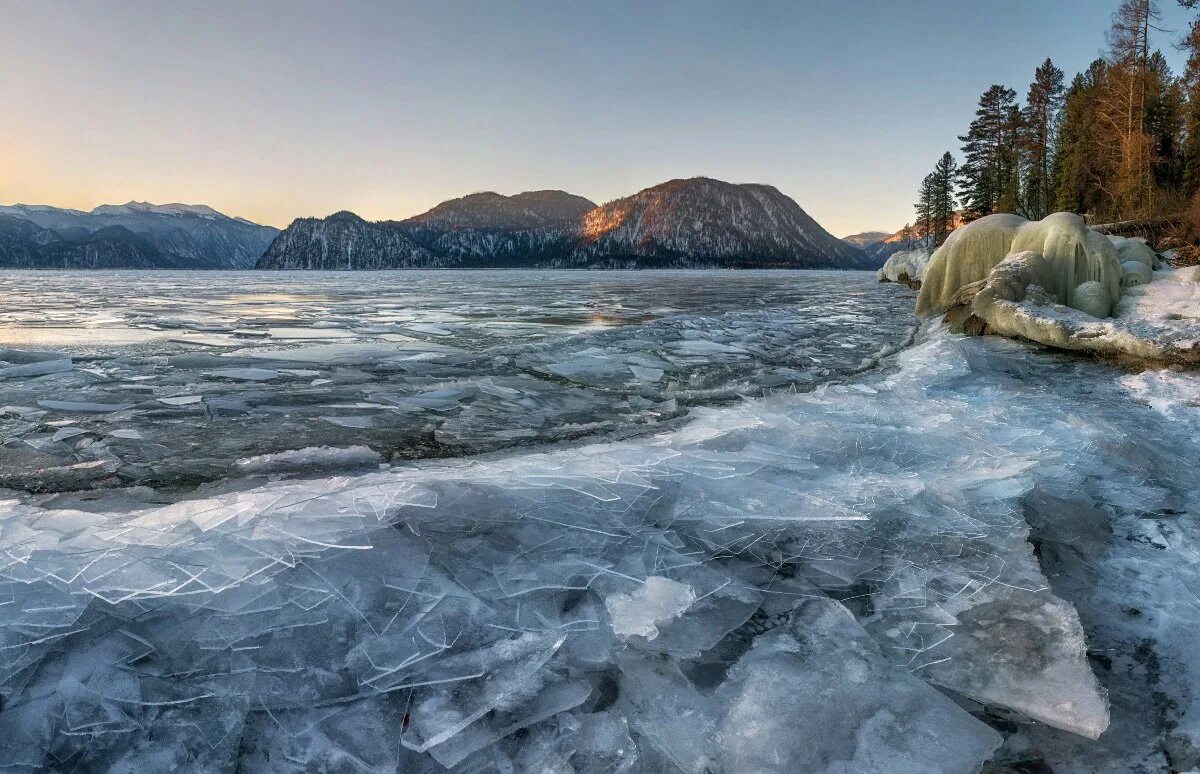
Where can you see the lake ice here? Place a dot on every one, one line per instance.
(510, 521)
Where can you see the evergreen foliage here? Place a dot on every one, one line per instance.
(1120, 142)
(935, 202)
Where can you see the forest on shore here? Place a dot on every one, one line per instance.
(1119, 143)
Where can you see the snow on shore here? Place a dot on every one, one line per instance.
(904, 266)
(1156, 323)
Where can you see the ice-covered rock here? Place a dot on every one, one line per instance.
(1134, 249)
(1073, 256)
(1135, 273)
(908, 266)
(1058, 283)
(1157, 322)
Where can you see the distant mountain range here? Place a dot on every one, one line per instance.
(694, 223)
(26, 245)
(137, 235)
(880, 245)
(866, 238)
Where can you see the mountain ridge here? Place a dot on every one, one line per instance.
(26, 245)
(193, 236)
(683, 223)
(866, 238)
(888, 244)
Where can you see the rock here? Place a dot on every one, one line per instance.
(1073, 255)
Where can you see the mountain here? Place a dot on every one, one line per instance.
(695, 223)
(489, 230)
(188, 235)
(865, 239)
(346, 241)
(914, 237)
(26, 245)
(492, 211)
(709, 223)
(479, 230)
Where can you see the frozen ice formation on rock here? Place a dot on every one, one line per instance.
(1059, 283)
(1072, 254)
(1135, 273)
(1156, 322)
(1136, 250)
(907, 266)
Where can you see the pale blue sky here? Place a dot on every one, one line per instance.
(275, 110)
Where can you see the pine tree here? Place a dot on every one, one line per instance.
(941, 216)
(1080, 166)
(924, 208)
(1037, 140)
(1189, 151)
(1164, 125)
(935, 203)
(990, 175)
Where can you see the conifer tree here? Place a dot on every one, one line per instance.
(1189, 151)
(935, 203)
(924, 208)
(1123, 109)
(941, 216)
(1080, 166)
(1164, 125)
(990, 175)
(1037, 140)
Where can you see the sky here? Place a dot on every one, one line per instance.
(278, 110)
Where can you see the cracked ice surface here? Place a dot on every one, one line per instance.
(842, 580)
(176, 378)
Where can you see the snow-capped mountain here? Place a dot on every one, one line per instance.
(693, 223)
(26, 245)
(146, 208)
(189, 235)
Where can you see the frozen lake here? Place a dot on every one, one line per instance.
(571, 522)
(171, 378)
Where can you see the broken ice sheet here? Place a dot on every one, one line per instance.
(454, 612)
(874, 715)
(657, 601)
